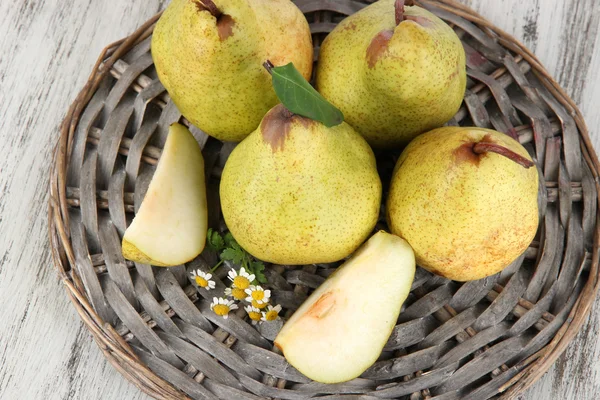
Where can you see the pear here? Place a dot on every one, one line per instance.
(394, 72)
(341, 329)
(466, 201)
(297, 192)
(171, 223)
(209, 57)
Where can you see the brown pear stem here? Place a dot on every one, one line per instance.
(484, 147)
(269, 66)
(399, 11)
(209, 6)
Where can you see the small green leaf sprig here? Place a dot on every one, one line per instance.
(229, 250)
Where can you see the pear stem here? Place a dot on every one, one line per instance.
(484, 147)
(399, 11)
(269, 66)
(209, 6)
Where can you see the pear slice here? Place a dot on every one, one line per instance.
(170, 226)
(341, 329)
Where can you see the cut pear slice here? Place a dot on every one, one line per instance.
(170, 226)
(341, 329)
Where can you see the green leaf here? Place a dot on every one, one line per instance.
(298, 96)
(214, 240)
(234, 255)
(229, 240)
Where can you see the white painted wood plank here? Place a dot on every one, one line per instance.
(48, 49)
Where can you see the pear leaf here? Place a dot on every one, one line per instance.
(298, 96)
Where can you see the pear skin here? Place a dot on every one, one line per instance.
(170, 226)
(341, 329)
(392, 81)
(297, 192)
(212, 65)
(467, 215)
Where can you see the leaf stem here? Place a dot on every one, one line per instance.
(484, 147)
(216, 266)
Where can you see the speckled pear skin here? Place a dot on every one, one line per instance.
(213, 69)
(297, 192)
(466, 216)
(392, 82)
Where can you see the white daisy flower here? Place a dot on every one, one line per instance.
(235, 292)
(203, 279)
(258, 294)
(221, 306)
(241, 280)
(272, 313)
(254, 314)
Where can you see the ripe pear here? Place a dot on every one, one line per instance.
(209, 57)
(394, 72)
(170, 226)
(297, 192)
(466, 201)
(341, 329)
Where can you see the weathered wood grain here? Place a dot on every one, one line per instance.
(47, 49)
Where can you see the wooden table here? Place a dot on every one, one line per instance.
(47, 49)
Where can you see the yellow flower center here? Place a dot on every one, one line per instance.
(201, 281)
(254, 316)
(259, 306)
(238, 293)
(258, 295)
(221, 309)
(271, 315)
(241, 282)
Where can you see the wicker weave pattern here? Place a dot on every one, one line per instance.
(477, 340)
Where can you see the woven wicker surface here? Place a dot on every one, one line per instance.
(476, 340)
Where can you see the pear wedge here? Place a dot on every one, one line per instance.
(341, 329)
(170, 226)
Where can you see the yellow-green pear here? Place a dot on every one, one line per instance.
(209, 57)
(394, 72)
(465, 199)
(341, 329)
(170, 226)
(297, 192)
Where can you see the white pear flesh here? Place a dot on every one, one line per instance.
(341, 329)
(170, 226)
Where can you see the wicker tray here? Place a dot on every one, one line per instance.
(481, 339)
